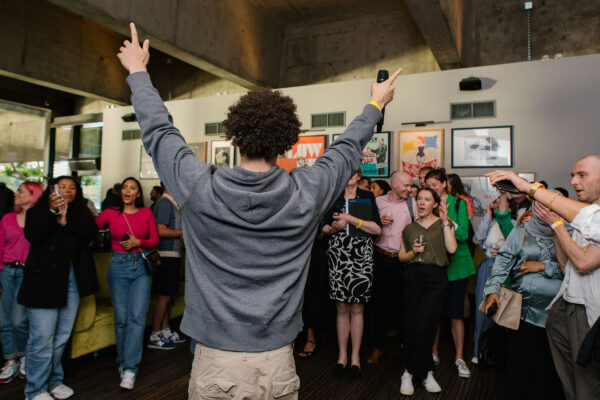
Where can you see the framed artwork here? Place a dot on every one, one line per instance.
(222, 153)
(487, 147)
(199, 149)
(418, 148)
(482, 193)
(304, 153)
(376, 155)
(147, 170)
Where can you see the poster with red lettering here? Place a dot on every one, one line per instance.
(304, 153)
(419, 148)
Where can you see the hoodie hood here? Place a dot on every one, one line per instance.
(253, 196)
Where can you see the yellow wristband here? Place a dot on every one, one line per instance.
(411, 253)
(373, 102)
(556, 224)
(360, 221)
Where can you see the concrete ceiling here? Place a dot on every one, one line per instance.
(55, 51)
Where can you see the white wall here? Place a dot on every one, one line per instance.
(554, 107)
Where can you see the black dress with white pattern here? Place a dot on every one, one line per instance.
(350, 259)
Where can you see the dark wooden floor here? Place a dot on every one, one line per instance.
(165, 375)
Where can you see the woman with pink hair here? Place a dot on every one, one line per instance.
(14, 248)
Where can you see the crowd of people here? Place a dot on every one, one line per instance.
(249, 231)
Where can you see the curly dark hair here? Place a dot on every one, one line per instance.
(263, 124)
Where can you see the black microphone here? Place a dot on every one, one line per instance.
(382, 75)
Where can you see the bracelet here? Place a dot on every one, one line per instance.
(556, 224)
(53, 211)
(447, 224)
(360, 221)
(551, 200)
(534, 187)
(410, 253)
(374, 103)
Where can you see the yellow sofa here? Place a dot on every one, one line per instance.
(94, 327)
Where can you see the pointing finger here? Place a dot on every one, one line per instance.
(134, 35)
(395, 75)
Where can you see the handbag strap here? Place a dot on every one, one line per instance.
(132, 235)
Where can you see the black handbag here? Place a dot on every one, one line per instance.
(152, 259)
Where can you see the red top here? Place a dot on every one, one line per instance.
(142, 223)
(13, 245)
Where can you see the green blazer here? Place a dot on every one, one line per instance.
(462, 265)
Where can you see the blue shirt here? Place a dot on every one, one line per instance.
(538, 288)
(166, 214)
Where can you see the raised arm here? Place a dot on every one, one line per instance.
(175, 162)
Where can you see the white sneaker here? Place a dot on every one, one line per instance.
(61, 391)
(463, 370)
(436, 359)
(41, 396)
(431, 384)
(9, 371)
(406, 385)
(475, 360)
(22, 373)
(128, 380)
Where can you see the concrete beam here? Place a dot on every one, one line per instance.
(431, 21)
(231, 39)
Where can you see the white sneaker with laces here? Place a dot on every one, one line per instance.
(406, 385)
(22, 373)
(431, 384)
(175, 337)
(463, 370)
(436, 359)
(9, 371)
(41, 396)
(475, 360)
(61, 391)
(128, 380)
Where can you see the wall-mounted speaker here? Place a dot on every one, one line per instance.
(470, 83)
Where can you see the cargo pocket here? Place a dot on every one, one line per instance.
(287, 389)
(214, 390)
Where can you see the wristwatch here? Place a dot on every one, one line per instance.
(534, 187)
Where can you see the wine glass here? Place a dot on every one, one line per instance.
(420, 245)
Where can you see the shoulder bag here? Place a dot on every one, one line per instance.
(152, 259)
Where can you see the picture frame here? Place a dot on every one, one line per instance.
(482, 147)
(304, 153)
(376, 155)
(222, 153)
(199, 149)
(418, 148)
(146, 171)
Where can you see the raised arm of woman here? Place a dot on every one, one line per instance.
(448, 226)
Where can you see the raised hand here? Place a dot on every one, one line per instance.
(521, 184)
(382, 93)
(443, 210)
(133, 57)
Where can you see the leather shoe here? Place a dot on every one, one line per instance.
(338, 370)
(374, 357)
(355, 372)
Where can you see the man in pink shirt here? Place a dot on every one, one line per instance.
(395, 211)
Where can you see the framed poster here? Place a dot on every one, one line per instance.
(147, 170)
(376, 155)
(528, 176)
(487, 147)
(222, 153)
(199, 149)
(482, 193)
(418, 148)
(304, 153)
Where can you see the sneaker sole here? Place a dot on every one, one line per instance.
(8, 380)
(151, 346)
(464, 375)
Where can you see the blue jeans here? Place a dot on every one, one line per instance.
(130, 295)
(49, 331)
(482, 322)
(14, 326)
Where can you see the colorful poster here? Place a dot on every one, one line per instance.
(304, 153)
(376, 156)
(419, 148)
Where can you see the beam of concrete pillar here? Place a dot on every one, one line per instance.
(430, 19)
(231, 39)
(42, 44)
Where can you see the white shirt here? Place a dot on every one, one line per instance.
(577, 287)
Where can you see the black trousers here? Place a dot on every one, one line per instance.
(315, 291)
(424, 293)
(530, 372)
(387, 297)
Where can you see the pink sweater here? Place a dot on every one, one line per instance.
(13, 245)
(142, 223)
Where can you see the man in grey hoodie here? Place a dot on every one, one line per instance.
(248, 232)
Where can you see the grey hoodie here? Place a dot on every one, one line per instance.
(248, 235)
